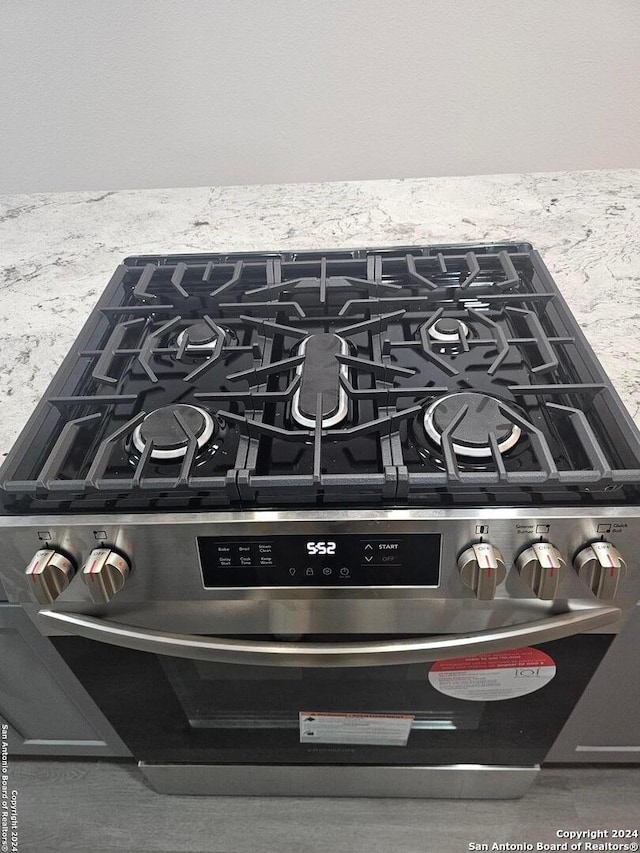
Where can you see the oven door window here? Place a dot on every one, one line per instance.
(218, 696)
(170, 709)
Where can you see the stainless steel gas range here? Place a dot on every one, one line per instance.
(355, 522)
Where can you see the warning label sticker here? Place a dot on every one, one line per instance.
(489, 678)
(374, 729)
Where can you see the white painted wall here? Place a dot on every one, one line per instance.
(135, 93)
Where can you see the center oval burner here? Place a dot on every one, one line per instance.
(471, 435)
(320, 374)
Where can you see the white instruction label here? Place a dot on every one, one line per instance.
(375, 729)
(493, 677)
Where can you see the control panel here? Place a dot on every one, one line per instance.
(328, 560)
(338, 552)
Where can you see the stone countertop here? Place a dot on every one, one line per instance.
(58, 251)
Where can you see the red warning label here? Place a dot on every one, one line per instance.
(489, 678)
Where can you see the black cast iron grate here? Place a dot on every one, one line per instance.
(521, 346)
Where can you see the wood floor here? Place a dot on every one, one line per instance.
(103, 807)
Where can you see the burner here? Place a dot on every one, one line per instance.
(471, 436)
(320, 374)
(448, 330)
(201, 338)
(170, 440)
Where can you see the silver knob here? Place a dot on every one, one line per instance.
(49, 574)
(541, 568)
(104, 573)
(601, 566)
(482, 568)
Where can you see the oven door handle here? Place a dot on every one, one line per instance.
(375, 653)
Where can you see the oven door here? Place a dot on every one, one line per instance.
(492, 699)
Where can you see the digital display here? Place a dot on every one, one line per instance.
(323, 548)
(408, 559)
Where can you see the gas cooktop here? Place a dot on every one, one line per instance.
(428, 376)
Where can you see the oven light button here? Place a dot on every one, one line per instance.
(104, 574)
(601, 566)
(49, 574)
(482, 568)
(541, 567)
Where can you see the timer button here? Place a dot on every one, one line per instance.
(482, 568)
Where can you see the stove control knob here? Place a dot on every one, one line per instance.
(49, 573)
(482, 568)
(104, 574)
(600, 565)
(541, 568)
